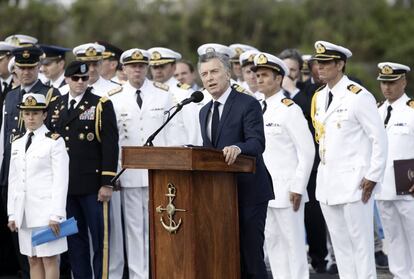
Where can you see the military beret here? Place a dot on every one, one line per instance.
(32, 101)
(135, 55)
(266, 60)
(20, 40)
(326, 51)
(162, 55)
(389, 71)
(27, 56)
(76, 68)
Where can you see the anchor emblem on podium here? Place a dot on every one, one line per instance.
(171, 226)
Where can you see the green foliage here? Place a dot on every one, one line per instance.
(373, 30)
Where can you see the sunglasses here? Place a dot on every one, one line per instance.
(77, 78)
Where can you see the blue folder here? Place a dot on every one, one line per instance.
(46, 234)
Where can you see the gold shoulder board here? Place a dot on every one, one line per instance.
(115, 91)
(410, 103)
(287, 102)
(103, 99)
(379, 104)
(354, 88)
(16, 136)
(53, 136)
(184, 86)
(161, 86)
(238, 88)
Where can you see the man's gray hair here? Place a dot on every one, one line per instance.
(224, 59)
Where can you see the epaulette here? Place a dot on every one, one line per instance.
(287, 102)
(16, 136)
(410, 103)
(54, 98)
(239, 88)
(103, 99)
(53, 136)
(115, 90)
(354, 88)
(380, 104)
(184, 86)
(320, 88)
(162, 86)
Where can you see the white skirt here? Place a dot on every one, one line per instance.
(47, 249)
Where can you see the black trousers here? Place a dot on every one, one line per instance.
(315, 226)
(252, 221)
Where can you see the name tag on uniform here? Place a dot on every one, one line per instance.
(88, 114)
(156, 109)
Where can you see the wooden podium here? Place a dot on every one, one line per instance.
(194, 225)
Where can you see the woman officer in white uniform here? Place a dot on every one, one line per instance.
(38, 184)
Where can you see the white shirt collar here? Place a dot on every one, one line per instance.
(28, 88)
(223, 98)
(58, 81)
(77, 99)
(399, 102)
(276, 98)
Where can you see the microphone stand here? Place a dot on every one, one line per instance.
(150, 139)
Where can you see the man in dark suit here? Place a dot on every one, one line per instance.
(87, 122)
(233, 122)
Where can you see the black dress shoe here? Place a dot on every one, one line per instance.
(381, 260)
(332, 269)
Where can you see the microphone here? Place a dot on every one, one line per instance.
(196, 97)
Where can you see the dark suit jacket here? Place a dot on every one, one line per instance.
(93, 150)
(241, 124)
(13, 124)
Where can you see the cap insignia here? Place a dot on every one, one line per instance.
(239, 51)
(251, 57)
(320, 48)
(156, 55)
(386, 70)
(210, 49)
(15, 41)
(26, 54)
(90, 51)
(30, 101)
(83, 68)
(262, 59)
(137, 55)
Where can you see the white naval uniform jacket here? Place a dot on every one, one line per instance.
(353, 142)
(189, 112)
(38, 180)
(290, 151)
(400, 133)
(135, 125)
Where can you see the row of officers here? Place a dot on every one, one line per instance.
(61, 150)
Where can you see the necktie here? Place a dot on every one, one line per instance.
(287, 94)
(388, 116)
(23, 92)
(215, 121)
(72, 106)
(264, 106)
(139, 99)
(29, 140)
(330, 96)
